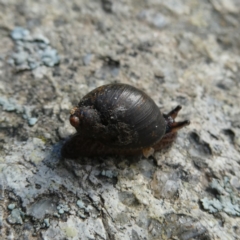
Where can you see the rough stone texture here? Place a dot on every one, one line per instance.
(179, 52)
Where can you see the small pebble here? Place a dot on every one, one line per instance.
(46, 222)
(61, 211)
(11, 206)
(80, 204)
(15, 217)
(19, 33)
(32, 121)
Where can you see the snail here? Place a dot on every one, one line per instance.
(119, 119)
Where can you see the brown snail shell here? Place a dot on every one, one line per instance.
(120, 119)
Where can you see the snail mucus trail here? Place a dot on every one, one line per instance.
(119, 119)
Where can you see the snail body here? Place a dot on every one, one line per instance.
(119, 119)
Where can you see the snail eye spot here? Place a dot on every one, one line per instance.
(74, 120)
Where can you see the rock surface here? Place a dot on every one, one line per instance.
(179, 52)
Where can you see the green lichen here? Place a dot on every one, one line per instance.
(225, 199)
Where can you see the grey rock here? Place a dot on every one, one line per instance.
(16, 217)
(61, 211)
(42, 207)
(11, 206)
(165, 185)
(50, 57)
(46, 222)
(20, 33)
(178, 52)
(87, 59)
(2, 190)
(155, 18)
(109, 173)
(32, 121)
(62, 208)
(1, 217)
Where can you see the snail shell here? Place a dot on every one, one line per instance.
(119, 119)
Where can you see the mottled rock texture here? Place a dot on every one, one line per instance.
(180, 52)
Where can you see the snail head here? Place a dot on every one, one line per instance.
(83, 117)
(173, 126)
(75, 117)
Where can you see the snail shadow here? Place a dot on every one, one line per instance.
(101, 170)
(105, 170)
(87, 152)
